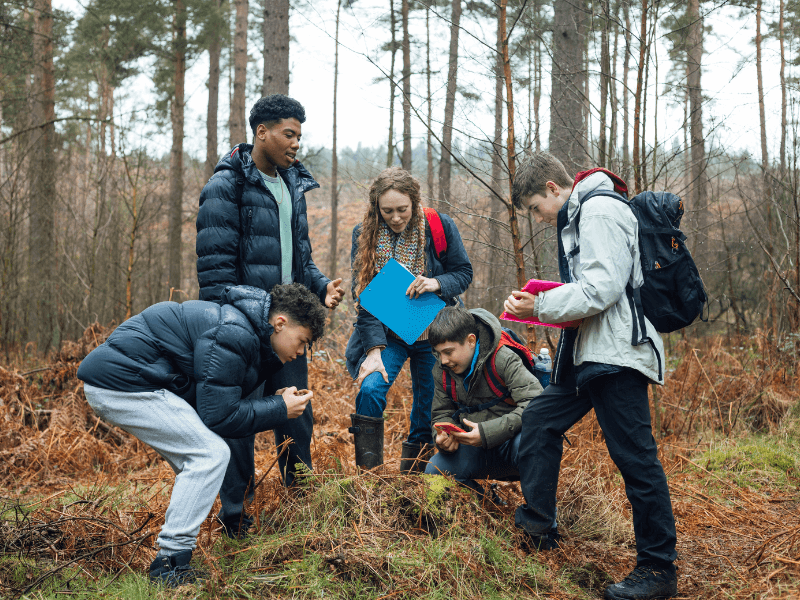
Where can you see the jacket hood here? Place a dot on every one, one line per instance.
(589, 181)
(254, 303)
(240, 160)
(489, 332)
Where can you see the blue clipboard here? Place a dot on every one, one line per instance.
(385, 298)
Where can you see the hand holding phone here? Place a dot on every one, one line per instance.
(448, 428)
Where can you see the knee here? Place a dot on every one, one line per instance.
(374, 387)
(215, 456)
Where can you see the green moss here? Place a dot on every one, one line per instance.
(759, 461)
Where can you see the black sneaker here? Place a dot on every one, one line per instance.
(174, 570)
(547, 541)
(646, 583)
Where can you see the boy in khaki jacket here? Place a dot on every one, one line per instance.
(464, 342)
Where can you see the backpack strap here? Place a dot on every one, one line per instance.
(589, 196)
(437, 231)
(239, 189)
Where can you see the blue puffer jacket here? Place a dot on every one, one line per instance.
(211, 356)
(241, 245)
(453, 270)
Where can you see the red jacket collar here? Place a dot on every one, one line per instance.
(619, 185)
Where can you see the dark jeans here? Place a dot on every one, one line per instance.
(239, 478)
(371, 399)
(469, 463)
(623, 411)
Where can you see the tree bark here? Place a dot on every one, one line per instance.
(276, 48)
(390, 145)
(626, 69)
(449, 109)
(176, 154)
(214, 52)
(334, 154)
(694, 69)
(406, 159)
(238, 120)
(429, 137)
(605, 82)
(784, 125)
(567, 107)
(497, 143)
(43, 289)
(637, 171)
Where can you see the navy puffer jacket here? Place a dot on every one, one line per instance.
(240, 244)
(212, 356)
(453, 270)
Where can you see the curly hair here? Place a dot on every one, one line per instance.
(302, 307)
(271, 109)
(400, 180)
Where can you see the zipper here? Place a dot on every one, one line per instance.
(249, 222)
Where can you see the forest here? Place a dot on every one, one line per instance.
(113, 116)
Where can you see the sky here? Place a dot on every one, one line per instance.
(729, 81)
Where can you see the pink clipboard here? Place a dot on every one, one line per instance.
(534, 286)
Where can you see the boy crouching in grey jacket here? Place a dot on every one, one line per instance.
(466, 343)
(177, 377)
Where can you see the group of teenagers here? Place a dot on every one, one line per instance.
(197, 381)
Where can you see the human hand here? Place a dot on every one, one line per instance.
(471, 437)
(371, 364)
(296, 401)
(520, 304)
(421, 284)
(334, 293)
(446, 442)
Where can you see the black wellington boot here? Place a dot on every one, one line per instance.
(415, 457)
(368, 440)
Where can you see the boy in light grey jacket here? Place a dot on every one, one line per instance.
(596, 366)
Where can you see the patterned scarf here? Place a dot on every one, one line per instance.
(407, 248)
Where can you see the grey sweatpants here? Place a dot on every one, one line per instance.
(197, 455)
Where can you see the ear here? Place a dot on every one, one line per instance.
(278, 322)
(472, 339)
(261, 131)
(553, 187)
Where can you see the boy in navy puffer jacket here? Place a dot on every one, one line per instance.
(177, 377)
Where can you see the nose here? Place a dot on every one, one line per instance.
(295, 143)
(538, 218)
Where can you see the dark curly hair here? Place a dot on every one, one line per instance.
(302, 307)
(271, 109)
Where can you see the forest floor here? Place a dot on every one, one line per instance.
(81, 502)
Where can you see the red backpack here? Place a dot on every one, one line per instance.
(509, 339)
(437, 231)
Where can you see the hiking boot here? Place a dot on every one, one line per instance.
(368, 440)
(546, 541)
(415, 457)
(646, 582)
(236, 526)
(174, 570)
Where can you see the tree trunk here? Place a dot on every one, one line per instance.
(605, 82)
(176, 153)
(449, 109)
(276, 48)
(694, 68)
(406, 159)
(238, 120)
(390, 146)
(784, 126)
(497, 143)
(537, 91)
(567, 107)
(214, 52)
(334, 154)
(637, 171)
(614, 100)
(626, 69)
(42, 266)
(429, 137)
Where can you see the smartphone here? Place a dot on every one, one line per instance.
(448, 428)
